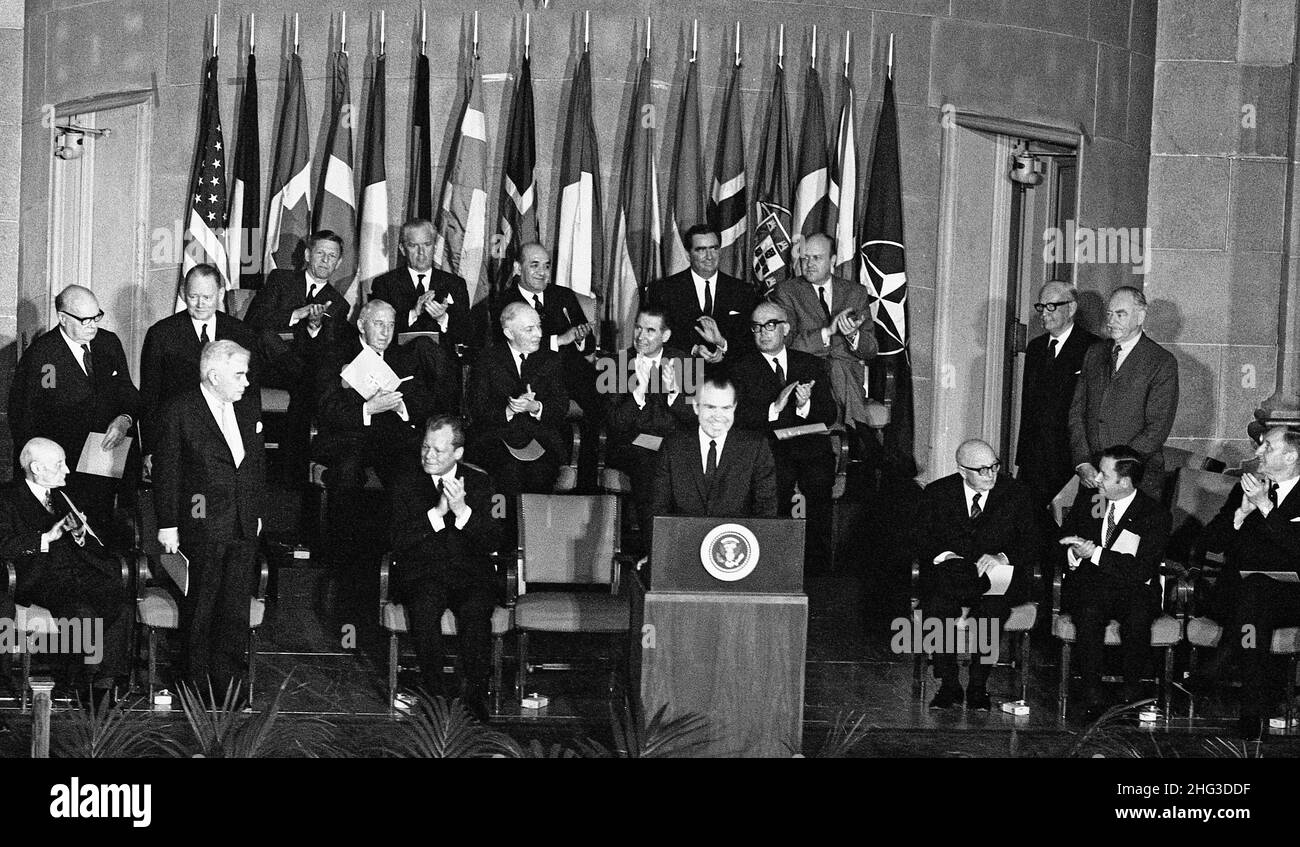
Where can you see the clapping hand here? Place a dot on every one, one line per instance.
(784, 397)
(383, 401)
(845, 324)
(453, 493)
(985, 562)
(1254, 491)
(668, 377)
(708, 328)
(803, 393)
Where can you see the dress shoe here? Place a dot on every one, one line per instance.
(949, 695)
(977, 699)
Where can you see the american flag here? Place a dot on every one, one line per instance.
(207, 217)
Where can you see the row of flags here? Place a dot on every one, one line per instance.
(817, 195)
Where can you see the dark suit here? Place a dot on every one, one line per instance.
(216, 507)
(733, 304)
(447, 569)
(169, 365)
(70, 580)
(494, 381)
(1136, 407)
(1043, 448)
(286, 291)
(1116, 588)
(808, 460)
(943, 524)
(743, 486)
(627, 420)
(1262, 544)
(52, 397)
(397, 290)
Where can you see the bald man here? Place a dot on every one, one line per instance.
(73, 381)
(830, 318)
(60, 563)
(970, 522)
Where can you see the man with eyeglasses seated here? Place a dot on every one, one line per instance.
(73, 381)
(974, 534)
(1052, 364)
(780, 389)
(1114, 554)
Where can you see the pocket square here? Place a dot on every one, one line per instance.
(1079, 371)
(114, 373)
(732, 312)
(259, 427)
(1295, 520)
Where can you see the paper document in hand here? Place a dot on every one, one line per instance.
(368, 374)
(649, 442)
(1280, 576)
(100, 462)
(803, 429)
(1127, 542)
(177, 567)
(1000, 577)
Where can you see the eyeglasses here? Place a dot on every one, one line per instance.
(1051, 307)
(86, 322)
(987, 470)
(770, 326)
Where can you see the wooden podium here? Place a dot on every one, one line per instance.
(723, 630)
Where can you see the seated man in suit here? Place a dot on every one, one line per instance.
(60, 561)
(708, 311)
(714, 470)
(73, 381)
(1114, 556)
(444, 533)
(830, 318)
(210, 495)
(652, 407)
(424, 298)
(781, 388)
(517, 397)
(566, 329)
(1259, 530)
(169, 364)
(970, 523)
(305, 303)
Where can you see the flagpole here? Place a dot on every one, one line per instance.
(814, 48)
(847, 49)
(295, 33)
(737, 43)
(889, 72)
(252, 33)
(216, 22)
(647, 36)
(695, 38)
(586, 31)
(528, 32)
(780, 48)
(343, 35)
(381, 31)
(475, 33)
(424, 28)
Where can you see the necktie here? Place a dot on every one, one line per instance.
(419, 285)
(49, 503)
(780, 371)
(441, 491)
(87, 361)
(1051, 348)
(711, 462)
(1114, 360)
(1272, 493)
(708, 298)
(826, 307)
(522, 358)
(537, 303)
(975, 510)
(1110, 525)
(203, 335)
(230, 429)
(311, 292)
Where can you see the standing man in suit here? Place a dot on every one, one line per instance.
(1114, 557)
(169, 364)
(424, 298)
(304, 303)
(1127, 394)
(831, 319)
(781, 388)
(73, 381)
(210, 497)
(970, 523)
(1259, 530)
(713, 470)
(444, 534)
(1053, 361)
(653, 405)
(60, 562)
(517, 396)
(708, 311)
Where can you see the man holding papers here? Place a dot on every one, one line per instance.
(1259, 530)
(652, 406)
(73, 382)
(977, 547)
(783, 392)
(1114, 552)
(209, 488)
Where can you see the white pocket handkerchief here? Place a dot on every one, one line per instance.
(1295, 520)
(259, 427)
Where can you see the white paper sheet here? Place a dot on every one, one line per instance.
(1127, 542)
(368, 374)
(649, 442)
(1280, 576)
(100, 462)
(803, 429)
(1000, 577)
(177, 567)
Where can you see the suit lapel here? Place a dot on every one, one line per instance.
(204, 411)
(697, 468)
(66, 361)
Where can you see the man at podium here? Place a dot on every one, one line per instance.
(713, 471)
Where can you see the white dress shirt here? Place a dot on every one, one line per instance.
(319, 285)
(704, 447)
(1125, 348)
(519, 369)
(1060, 340)
(780, 356)
(210, 323)
(436, 520)
(644, 366)
(77, 352)
(1120, 506)
(969, 494)
(428, 286)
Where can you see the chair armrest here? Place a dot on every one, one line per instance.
(142, 574)
(840, 443)
(576, 447)
(916, 585)
(600, 455)
(11, 578)
(263, 577)
(513, 568)
(126, 571)
(385, 567)
(1057, 577)
(622, 564)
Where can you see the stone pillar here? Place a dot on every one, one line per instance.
(11, 136)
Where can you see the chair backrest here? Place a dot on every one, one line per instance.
(237, 300)
(1198, 496)
(568, 538)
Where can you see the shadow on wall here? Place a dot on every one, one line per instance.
(1092, 312)
(1199, 407)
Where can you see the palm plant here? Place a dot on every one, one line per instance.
(228, 732)
(682, 737)
(1113, 736)
(109, 732)
(439, 728)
